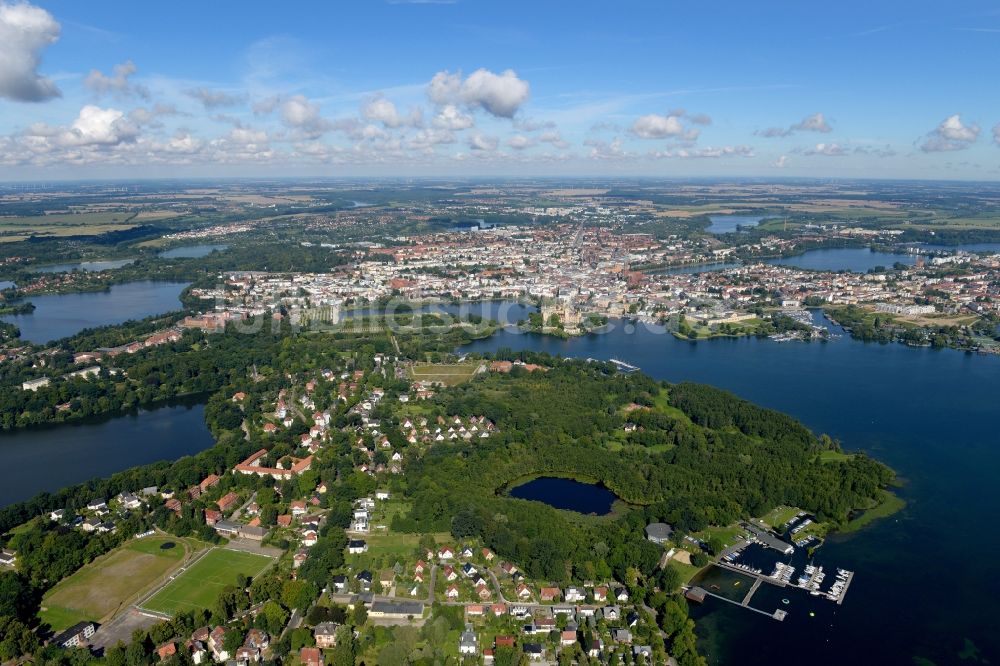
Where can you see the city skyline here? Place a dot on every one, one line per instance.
(444, 88)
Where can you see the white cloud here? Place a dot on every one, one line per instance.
(450, 117)
(141, 116)
(520, 142)
(303, 116)
(827, 149)
(951, 134)
(183, 143)
(554, 138)
(481, 142)
(266, 105)
(705, 153)
(426, 139)
(653, 126)
(772, 132)
(656, 126)
(379, 109)
(118, 84)
(94, 126)
(815, 123)
(213, 99)
(996, 133)
(532, 125)
(607, 150)
(498, 94)
(781, 162)
(25, 31)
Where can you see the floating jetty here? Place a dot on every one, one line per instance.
(623, 366)
(699, 594)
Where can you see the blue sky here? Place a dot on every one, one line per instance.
(773, 89)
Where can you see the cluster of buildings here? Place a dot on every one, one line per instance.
(575, 271)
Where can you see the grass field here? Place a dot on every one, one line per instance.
(199, 585)
(780, 515)
(79, 224)
(444, 373)
(99, 588)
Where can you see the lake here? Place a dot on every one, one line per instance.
(693, 269)
(724, 224)
(567, 494)
(965, 247)
(926, 577)
(508, 313)
(89, 266)
(854, 259)
(191, 251)
(60, 315)
(53, 457)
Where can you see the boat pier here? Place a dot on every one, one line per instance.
(699, 594)
(623, 366)
(750, 593)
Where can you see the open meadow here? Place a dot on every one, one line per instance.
(448, 374)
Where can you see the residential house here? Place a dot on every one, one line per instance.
(311, 656)
(216, 643)
(534, 651)
(167, 651)
(228, 501)
(549, 593)
(467, 642)
(325, 634)
(621, 636)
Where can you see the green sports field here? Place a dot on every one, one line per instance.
(199, 585)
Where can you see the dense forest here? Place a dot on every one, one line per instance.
(707, 458)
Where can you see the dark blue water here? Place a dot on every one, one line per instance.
(856, 260)
(926, 577)
(191, 251)
(966, 247)
(695, 268)
(508, 313)
(724, 224)
(60, 315)
(566, 494)
(51, 458)
(89, 266)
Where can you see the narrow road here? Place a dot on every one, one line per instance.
(294, 621)
(496, 584)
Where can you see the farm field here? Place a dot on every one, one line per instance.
(199, 585)
(444, 373)
(101, 587)
(78, 224)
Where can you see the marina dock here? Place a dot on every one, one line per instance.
(623, 366)
(750, 593)
(699, 594)
(847, 584)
